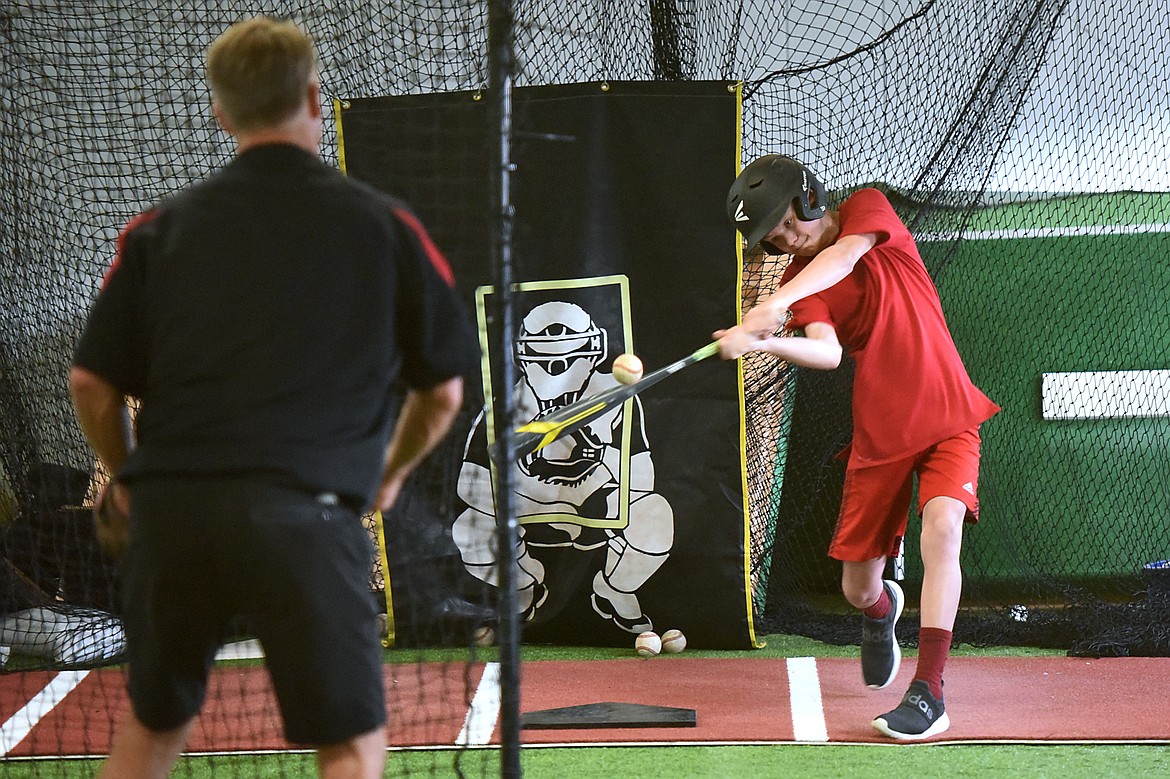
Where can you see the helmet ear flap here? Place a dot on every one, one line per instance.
(811, 201)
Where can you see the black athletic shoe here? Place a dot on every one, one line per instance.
(919, 715)
(880, 654)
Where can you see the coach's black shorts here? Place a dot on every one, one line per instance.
(295, 565)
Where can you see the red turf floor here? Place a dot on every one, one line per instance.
(735, 701)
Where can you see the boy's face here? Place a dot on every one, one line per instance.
(803, 239)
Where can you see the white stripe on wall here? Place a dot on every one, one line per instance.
(1105, 394)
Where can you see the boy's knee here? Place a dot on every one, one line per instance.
(943, 514)
(861, 593)
(942, 529)
(861, 582)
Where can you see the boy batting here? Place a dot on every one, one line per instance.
(856, 283)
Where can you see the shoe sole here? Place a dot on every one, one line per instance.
(897, 649)
(604, 608)
(940, 726)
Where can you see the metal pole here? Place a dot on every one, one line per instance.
(499, 131)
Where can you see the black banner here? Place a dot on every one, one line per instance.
(621, 245)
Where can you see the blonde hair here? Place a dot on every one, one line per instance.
(259, 71)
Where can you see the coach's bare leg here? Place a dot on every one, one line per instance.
(362, 756)
(942, 577)
(141, 753)
(861, 583)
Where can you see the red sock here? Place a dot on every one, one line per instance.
(934, 645)
(881, 606)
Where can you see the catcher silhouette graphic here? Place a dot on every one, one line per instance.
(580, 491)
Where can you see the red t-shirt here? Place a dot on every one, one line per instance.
(910, 387)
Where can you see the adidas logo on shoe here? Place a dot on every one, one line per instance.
(924, 707)
(919, 715)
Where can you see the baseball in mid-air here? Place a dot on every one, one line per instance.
(648, 644)
(673, 641)
(627, 368)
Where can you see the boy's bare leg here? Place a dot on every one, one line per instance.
(942, 577)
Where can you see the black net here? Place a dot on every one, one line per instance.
(1040, 211)
(1022, 142)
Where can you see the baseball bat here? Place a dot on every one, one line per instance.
(545, 429)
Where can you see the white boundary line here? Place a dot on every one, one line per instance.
(1047, 232)
(17, 728)
(240, 650)
(804, 693)
(480, 722)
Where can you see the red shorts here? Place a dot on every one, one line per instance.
(876, 499)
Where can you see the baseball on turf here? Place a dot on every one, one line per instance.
(673, 641)
(627, 368)
(648, 644)
(484, 636)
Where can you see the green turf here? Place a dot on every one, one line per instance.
(855, 762)
(1018, 761)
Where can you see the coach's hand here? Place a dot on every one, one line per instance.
(391, 486)
(111, 519)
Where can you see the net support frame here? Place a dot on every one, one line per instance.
(501, 40)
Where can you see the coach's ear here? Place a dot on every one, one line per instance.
(221, 117)
(314, 98)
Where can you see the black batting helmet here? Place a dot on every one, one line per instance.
(763, 191)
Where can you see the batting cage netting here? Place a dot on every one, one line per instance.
(1023, 143)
